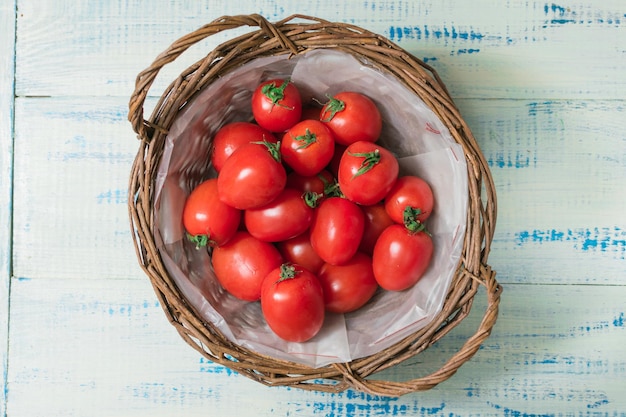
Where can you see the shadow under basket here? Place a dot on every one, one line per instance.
(292, 37)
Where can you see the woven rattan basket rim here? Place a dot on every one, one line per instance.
(295, 35)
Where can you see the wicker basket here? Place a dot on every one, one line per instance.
(296, 35)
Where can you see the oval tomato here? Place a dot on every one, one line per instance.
(252, 176)
(292, 303)
(401, 257)
(206, 219)
(241, 265)
(336, 230)
(349, 286)
(376, 220)
(232, 135)
(409, 191)
(286, 216)
(367, 172)
(352, 117)
(307, 147)
(276, 105)
(298, 250)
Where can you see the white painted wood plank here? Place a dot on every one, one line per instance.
(7, 64)
(103, 348)
(558, 168)
(513, 49)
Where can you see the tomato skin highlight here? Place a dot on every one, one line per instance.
(206, 218)
(409, 191)
(366, 182)
(400, 258)
(242, 264)
(307, 147)
(376, 220)
(298, 250)
(233, 135)
(349, 286)
(284, 217)
(359, 119)
(336, 230)
(279, 115)
(293, 307)
(251, 177)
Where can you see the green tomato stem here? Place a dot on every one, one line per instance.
(287, 271)
(333, 107)
(272, 148)
(306, 140)
(274, 93)
(411, 223)
(370, 159)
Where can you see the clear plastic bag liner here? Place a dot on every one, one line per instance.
(411, 130)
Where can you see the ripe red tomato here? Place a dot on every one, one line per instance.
(376, 220)
(401, 257)
(276, 105)
(232, 135)
(286, 216)
(241, 265)
(350, 286)
(293, 303)
(367, 172)
(352, 117)
(409, 191)
(298, 250)
(252, 176)
(310, 183)
(206, 219)
(307, 147)
(337, 229)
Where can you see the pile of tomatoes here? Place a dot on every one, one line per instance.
(308, 214)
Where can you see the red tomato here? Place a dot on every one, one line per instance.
(310, 183)
(286, 216)
(293, 303)
(413, 192)
(367, 172)
(336, 230)
(276, 105)
(352, 117)
(333, 166)
(252, 176)
(401, 257)
(206, 219)
(350, 286)
(241, 265)
(298, 250)
(307, 147)
(232, 135)
(376, 220)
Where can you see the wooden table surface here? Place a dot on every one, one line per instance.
(542, 85)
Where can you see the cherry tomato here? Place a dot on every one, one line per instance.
(206, 219)
(293, 303)
(276, 105)
(286, 216)
(350, 286)
(352, 117)
(252, 176)
(307, 147)
(413, 192)
(376, 220)
(401, 257)
(337, 229)
(298, 250)
(241, 265)
(367, 172)
(232, 135)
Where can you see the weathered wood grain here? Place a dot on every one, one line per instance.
(108, 344)
(7, 63)
(514, 49)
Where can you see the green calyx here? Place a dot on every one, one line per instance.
(312, 199)
(411, 223)
(287, 271)
(333, 107)
(331, 189)
(272, 148)
(200, 241)
(370, 159)
(306, 140)
(275, 93)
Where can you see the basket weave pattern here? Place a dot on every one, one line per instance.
(296, 35)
